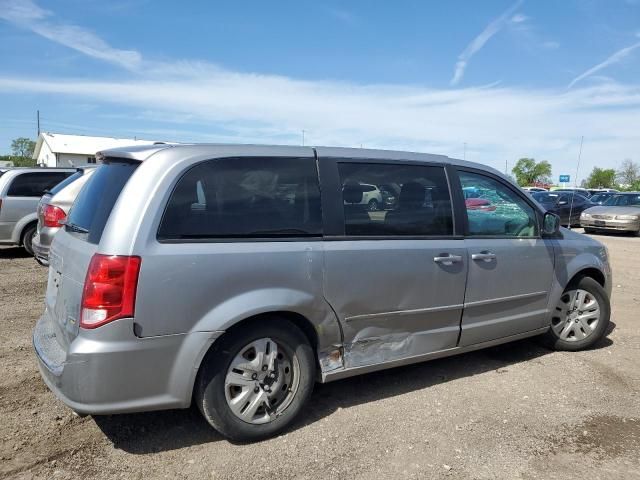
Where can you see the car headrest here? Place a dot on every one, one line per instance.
(412, 195)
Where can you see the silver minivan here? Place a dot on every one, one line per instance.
(20, 191)
(235, 277)
(52, 211)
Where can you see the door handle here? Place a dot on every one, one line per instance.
(448, 259)
(484, 256)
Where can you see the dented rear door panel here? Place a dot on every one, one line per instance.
(392, 299)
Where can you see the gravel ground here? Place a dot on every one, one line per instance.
(515, 411)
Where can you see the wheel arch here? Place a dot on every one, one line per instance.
(21, 225)
(305, 325)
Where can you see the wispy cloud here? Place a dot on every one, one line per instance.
(613, 59)
(477, 43)
(26, 14)
(200, 101)
(344, 16)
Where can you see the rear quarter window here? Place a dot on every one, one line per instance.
(34, 184)
(245, 197)
(94, 203)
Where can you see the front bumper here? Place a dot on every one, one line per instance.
(110, 370)
(613, 225)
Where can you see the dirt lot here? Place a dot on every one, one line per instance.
(517, 411)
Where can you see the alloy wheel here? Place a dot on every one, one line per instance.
(261, 381)
(576, 316)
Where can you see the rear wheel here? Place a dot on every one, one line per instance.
(581, 317)
(257, 380)
(27, 237)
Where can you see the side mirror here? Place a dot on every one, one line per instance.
(550, 224)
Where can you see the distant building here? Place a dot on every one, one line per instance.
(61, 150)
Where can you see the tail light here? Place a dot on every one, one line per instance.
(53, 216)
(109, 289)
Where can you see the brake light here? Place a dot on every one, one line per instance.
(109, 289)
(53, 216)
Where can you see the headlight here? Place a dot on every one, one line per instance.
(585, 215)
(626, 217)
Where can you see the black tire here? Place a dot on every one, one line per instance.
(373, 205)
(210, 385)
(553, 341)
(27, 237)
(589, 230)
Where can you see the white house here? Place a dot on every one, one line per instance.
(60, 150)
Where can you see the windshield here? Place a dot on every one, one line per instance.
(624, 200)
(67, 181)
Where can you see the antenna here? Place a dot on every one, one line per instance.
(38, 117)
(575, 181)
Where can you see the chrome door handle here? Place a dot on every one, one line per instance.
(484, 256)
(448, 259)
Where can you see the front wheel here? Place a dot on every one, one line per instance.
(373, 205)
(257, 380)
(581, 317)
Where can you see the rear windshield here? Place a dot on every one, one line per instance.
(93, 206)
(64, 183)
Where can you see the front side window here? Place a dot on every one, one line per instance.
(245, 197)
(35, 184)
(385, 199)
(493, 209)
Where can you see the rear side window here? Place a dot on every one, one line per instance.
(35, 184)
(384, 199)
(94, 203)
(245, 197)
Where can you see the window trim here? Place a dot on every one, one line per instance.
(239, 238)
(332, 205)
(463, 209)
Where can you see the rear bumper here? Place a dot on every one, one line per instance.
(40, 250)
(613, 225)
(110, 370)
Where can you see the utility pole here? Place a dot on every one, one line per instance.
(38, 117)
(506, 167)
(303, 138)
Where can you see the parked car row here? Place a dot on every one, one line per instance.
(20, 192)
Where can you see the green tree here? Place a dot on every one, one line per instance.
(601, 178)
(629, 173)
(527, 171)
(23, 147)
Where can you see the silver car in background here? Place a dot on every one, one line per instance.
(235, 277)
(20, 192)
(52, 211)
(620, 213)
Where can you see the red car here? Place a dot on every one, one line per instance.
(479, 204)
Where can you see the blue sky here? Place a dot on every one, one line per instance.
(508, 78)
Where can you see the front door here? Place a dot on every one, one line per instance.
(510, 265)
(395, 277)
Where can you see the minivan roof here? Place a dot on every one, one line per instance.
(143, 152)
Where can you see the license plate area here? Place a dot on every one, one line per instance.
(600, 223)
